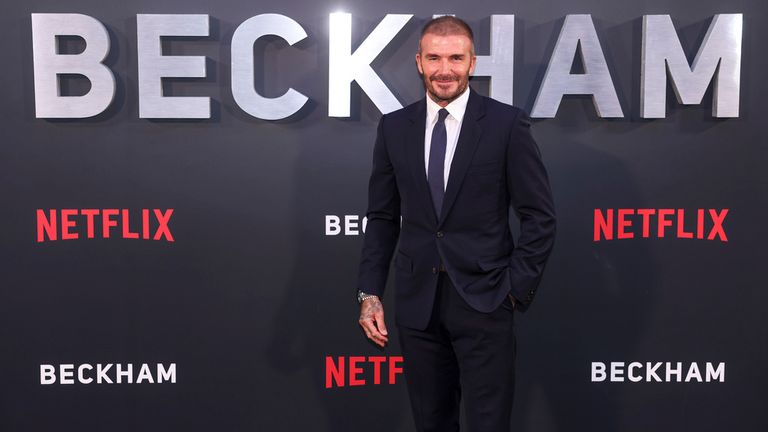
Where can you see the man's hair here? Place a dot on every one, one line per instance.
(448, 25)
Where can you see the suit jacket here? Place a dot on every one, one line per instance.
(497, 165)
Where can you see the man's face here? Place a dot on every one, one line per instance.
(445, 63)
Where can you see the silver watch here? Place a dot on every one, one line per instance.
(361, 296)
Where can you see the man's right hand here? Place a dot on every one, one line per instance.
(372, 320)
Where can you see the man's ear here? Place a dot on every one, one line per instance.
(472, 65)
(418, 63)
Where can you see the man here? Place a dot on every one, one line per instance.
(450, 166)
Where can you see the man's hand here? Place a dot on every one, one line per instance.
(372, 320)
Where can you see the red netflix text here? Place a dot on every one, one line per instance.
(72, 224)
(621, 224)
(336, 373)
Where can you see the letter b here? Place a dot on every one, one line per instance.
(49, 64)
(47, 374)
(598, 372)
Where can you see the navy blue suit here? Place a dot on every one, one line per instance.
(496, 164)
(455, 268)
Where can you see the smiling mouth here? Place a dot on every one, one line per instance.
(443, 82)
(444, 79)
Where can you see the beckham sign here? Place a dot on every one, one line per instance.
(718, 59)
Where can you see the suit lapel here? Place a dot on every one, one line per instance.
(469, 137)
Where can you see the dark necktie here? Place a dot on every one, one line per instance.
(435, 170)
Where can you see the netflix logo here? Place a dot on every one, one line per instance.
(73, 224)
(700, 224)
(360, 370)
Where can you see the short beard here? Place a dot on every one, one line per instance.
(435, 97)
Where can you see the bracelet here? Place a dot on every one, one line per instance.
(361, 296)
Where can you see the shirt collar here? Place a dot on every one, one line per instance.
(455, 109)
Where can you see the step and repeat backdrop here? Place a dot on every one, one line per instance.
(185, 187)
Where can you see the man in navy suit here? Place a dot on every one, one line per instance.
(446, 171)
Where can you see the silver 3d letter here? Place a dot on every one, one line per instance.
(154, 66)
(662, 51)
(346, 66)
(49, 64)
(596, 79)
(242, 67)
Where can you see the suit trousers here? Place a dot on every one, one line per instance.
(465, 354)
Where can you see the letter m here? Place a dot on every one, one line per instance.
(719, 56)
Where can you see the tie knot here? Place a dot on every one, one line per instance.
(442, 114)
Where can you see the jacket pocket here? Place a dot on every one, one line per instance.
(492, 167)
(404, 263)
(488, 264)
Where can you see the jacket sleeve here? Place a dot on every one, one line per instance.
(383, 227)
(531, 196)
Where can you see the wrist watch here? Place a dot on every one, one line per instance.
(361, 296)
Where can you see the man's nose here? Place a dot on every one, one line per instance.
(445, 67)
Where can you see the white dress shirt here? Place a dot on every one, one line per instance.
(452, 127)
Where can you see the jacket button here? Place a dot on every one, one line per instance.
(440, 234)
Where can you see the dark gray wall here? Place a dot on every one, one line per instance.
(252, 296)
